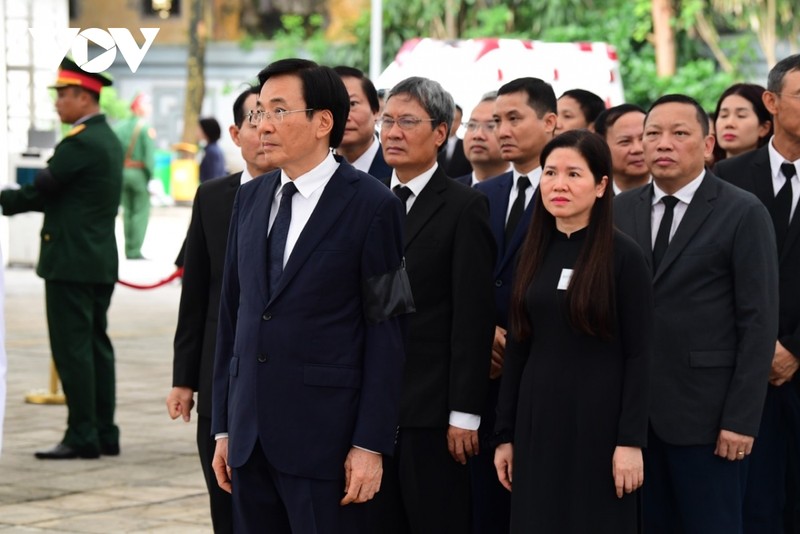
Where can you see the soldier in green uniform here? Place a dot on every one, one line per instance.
(137, 141)
(79, 193)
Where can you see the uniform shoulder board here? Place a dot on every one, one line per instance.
(76, 130)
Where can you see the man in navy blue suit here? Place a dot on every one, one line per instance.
(360, 146)
(525, 118)
(309, 358)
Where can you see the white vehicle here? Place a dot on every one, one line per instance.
(469, 68)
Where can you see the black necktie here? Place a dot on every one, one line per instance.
(518, 208)
(782, 209)
(662, 237)
(276, 243)
(403, 193)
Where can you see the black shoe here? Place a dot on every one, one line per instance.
(109, 449)
(65, 452)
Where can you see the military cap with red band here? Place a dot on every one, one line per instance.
(71, 75)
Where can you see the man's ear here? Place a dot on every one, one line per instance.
(234, 131)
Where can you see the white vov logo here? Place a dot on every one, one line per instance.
(51, 47)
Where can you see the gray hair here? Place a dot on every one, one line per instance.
(436, 102)
(779, 71)
(491, 96)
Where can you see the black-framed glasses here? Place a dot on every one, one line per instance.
(405, 123)
(255, 116)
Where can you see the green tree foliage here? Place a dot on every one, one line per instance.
(625, 24)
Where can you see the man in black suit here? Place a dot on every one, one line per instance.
(451, 156)
(449, 254)
(359, 146)
(196, 333)
(715, 288)
(771, 173)
(480, 144)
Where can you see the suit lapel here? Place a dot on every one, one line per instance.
(642, 218)
(760, 173)
(425, 206)
(335, 198)
(257, 218)
(697, 212)
(511, 248)
(498, 207)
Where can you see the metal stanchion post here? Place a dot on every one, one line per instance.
(53, 396)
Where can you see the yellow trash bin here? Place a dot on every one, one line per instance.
(184, 172)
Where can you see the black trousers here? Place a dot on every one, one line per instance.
(220, 500)
(424, 490)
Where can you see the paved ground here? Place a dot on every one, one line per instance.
(155, 485)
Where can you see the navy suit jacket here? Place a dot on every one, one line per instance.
(466, 179)
(716, 318)
(379, 168)
(303, 371)
(497, 190)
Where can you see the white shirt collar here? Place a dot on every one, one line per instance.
(685, 194)
(314, 179)
(776, 160)
(364, 161)
(416, 184)
(246, 177)
(535, 176)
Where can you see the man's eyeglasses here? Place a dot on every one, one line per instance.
(405, 123)
(474, 126)
(254, 117)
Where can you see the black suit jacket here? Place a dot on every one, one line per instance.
(204, 259)
(458, 164)
(449, 253)
(715, 314)
(751, 171)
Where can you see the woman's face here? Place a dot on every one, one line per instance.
(737, 127)
(570, 115)
(568, 188)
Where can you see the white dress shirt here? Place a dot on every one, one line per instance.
(535, 176)
(364, 161)
(684, 195)
(309, 188)
(778, 179)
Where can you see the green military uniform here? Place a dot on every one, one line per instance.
(137, 141)
(79, 193)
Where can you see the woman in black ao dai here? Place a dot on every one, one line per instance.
(572, 412)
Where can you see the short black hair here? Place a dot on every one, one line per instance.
(323, 89)
(366, 85)
(610, 116)
(540, 94)
(700, 113)
(591, 105)
(238, 105)
(210, 128)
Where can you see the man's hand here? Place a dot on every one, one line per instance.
(180, 402)
(733, 446)
(627, 467)
(462, 443)
(220, 465)
(362, 476)
(504, 463)
(784, 365)
(498, 352)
